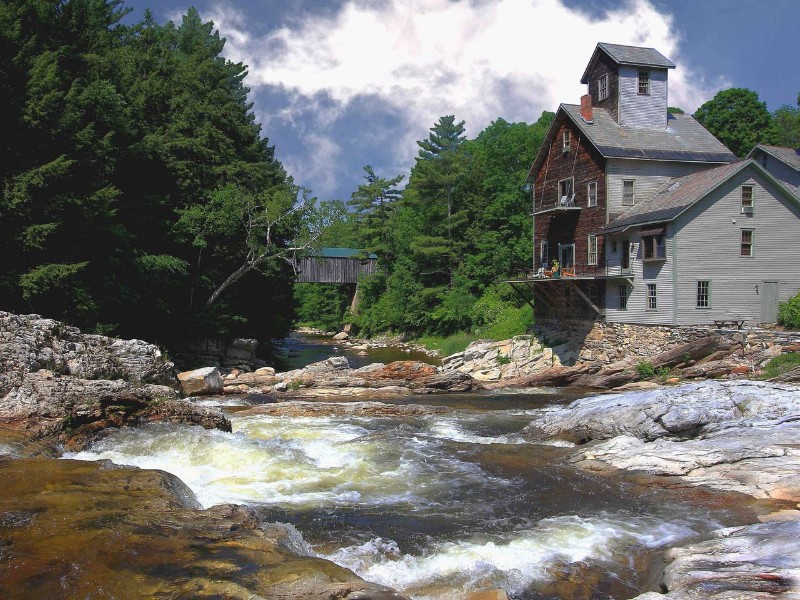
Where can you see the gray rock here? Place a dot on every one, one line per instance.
(746, 563)
(207, 380)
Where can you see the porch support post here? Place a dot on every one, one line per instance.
(585, 297)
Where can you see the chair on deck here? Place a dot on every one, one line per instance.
(547, 272)
(568, 272)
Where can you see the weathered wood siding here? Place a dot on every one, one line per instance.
(780, 171)
(659, 272)
(642, 110)
(709, 238)
(585, 165)
(605, 66)
(649, 176)
(333, 270)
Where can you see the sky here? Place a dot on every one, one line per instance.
(339, 84)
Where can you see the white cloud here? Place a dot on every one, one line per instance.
(425, 59)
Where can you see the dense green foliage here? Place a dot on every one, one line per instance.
(136, 187)
(740, 121)
(789, 313)
(461, 225)
(322, 306)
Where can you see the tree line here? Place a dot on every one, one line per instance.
(138, 196)
(137, 190)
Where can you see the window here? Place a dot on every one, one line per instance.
(592, 253)
(703, 294)
(544, 254)
(602, 87)
(747, 199)
(626, 255)
(628, 192)
(654, 244)
(651, 297)
(566, 138)
(591, 193)
(747, 242)
(622, 290)
(644, 82)
(565, 195)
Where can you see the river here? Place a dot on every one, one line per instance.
(436, 496)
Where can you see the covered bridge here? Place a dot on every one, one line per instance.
(335, 265)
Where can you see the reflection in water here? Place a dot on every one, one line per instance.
(299, 350)
(432, 503)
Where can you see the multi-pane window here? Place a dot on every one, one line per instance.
(592, 252)
(651, 297)
(628, 192)
(544, 253)
(565, 192)
(747, 198)
(704, 294)
(602, 87)
(747, 242)
(644, 82)
(622, 290)
(566, 138)
(591, 193)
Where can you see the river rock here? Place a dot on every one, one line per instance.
(68, 387)
(746, 563)
(207, 380)
(341, 336)
(121, 532)
(732, 435)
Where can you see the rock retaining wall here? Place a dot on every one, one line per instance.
(595, 345)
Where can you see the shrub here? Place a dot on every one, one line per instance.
(789, 313)
(645, 369)
(781, 364)
(451, 344)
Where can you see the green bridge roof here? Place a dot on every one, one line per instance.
(342, 253)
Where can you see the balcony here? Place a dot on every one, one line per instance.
(578, 272)
(563, 204)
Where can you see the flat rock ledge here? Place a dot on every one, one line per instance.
(335, 378)
(66, 388)
(741, 436)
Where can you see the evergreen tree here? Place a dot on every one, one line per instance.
(373, 204)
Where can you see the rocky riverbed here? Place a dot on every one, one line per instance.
(741, 436)
(60, 389)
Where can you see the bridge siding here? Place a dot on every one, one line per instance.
(333, 270)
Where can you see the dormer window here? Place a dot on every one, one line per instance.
(565, 141)
(747, 199)
(654, 245)
(644, 82)
(602, 87)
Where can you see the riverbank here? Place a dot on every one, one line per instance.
(737, 437)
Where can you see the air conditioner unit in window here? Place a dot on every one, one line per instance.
(747, 210)
(565, 149)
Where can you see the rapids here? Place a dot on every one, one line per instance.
(437, 501)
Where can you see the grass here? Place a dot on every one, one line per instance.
(451, 344)
(781, 364)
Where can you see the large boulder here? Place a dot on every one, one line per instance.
(68, 387)
(207, 380)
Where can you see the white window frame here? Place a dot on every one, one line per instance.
(749, 244)
(570, 185)
(643, 83)
(703, 300)
(602, 87)
(591, 249)
(652, 296)
(748, 199)
(622, 296)
(566, 140)
(591, 193)
(631, 195)
(544, 253)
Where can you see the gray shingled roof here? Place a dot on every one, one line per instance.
(630, 55)
(675, 196)
(786, 155)
(683, 139)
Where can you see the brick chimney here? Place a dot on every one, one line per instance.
(586, 108)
